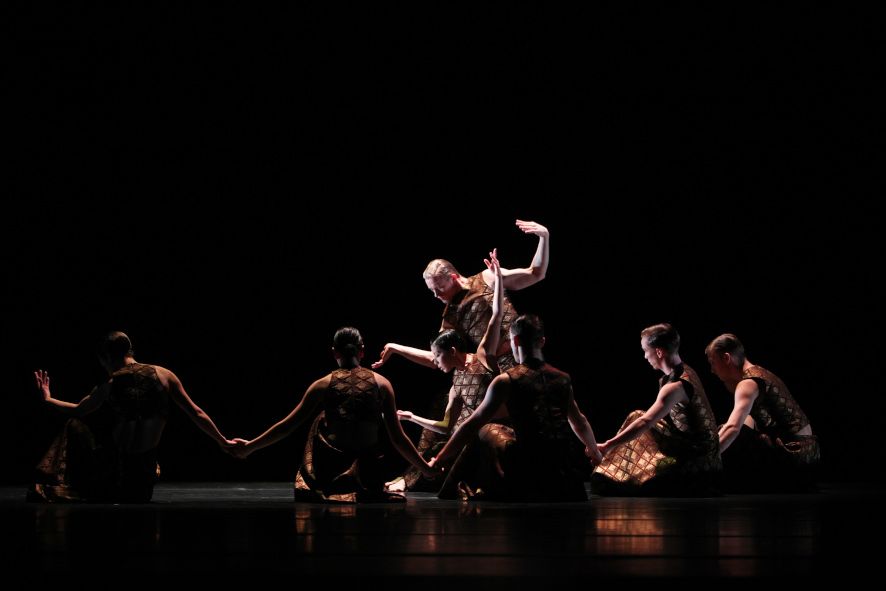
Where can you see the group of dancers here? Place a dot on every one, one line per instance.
(509, 429)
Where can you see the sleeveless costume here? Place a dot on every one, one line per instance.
(85, 463)
(468, 313)
(342, 461)
(678, 456)
(475, 470)
(544, 462)
(772, 457)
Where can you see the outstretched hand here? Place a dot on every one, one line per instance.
(42, 378)
(533, 228)
(386, 353)
(404, 415)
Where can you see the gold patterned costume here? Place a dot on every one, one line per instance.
(539, 455)
(772, 456)
(342, 461)
(468, 313)
(679, 455)
(90, 463)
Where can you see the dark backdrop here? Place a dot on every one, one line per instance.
(230, 188)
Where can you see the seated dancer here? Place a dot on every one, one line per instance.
(471, 375)
(468, 308)
(121, 466)
(671, 448)
(540, 463)
(767, 443)
(342, 457)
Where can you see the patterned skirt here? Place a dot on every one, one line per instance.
(331, 475)
(657, 464)
(78, 467)
(478, 472)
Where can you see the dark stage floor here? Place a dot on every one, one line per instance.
(229, 529)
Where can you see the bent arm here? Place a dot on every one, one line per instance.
(194, 412)
(582, 429)
(419, 356)
(496, 395)
(87, 404)
(745, 393)
(515, 279)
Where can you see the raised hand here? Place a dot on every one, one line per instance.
(42, 379)
(533, 228)
(492, 262)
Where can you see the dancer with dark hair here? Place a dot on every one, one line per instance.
(342, 457)
(539, 464)
(121, 467)
(767, 442)
(671, 448)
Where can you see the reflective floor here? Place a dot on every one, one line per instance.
(229, 529)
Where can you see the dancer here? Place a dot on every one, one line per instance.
(342, 457)
(539, 464)
(767, 442)
(121, 467)
(671, 448)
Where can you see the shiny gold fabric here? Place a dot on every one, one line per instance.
(542, 461)
(775, 411)
(90, 463)
(342, 459)
(469, 313)
(137, 393)
(331, 475)
(690, 429)
(80, 467)
(353, 408)
(478, 471)
(635, 462)
(678, 455)
(470, 385)
(772, 457)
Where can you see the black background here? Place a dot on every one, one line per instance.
(229, 188)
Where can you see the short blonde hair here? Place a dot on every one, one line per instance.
(439, 268)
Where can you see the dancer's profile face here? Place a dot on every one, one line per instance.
(650, 354)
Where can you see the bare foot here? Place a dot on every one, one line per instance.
(396, 485)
